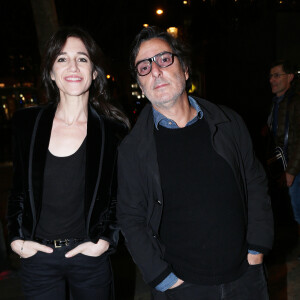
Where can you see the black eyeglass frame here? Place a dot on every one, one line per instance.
(153, 59)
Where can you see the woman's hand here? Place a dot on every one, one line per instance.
(26, 249)
(90, 249)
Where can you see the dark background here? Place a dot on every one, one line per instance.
(233, 43)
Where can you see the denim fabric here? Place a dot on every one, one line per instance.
(251, 285)
(294, 192)
(44, 276)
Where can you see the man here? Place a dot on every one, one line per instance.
(192, 197)
(284, 120)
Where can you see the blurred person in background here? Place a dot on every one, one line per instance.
(284, 132)
(61, 213)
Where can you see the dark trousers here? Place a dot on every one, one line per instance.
(45, 276)
(251, 286)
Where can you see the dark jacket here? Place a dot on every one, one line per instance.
(31, 135)
(290, 104)
(140, 198)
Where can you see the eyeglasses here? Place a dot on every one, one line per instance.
(276, 75)
(163, 60)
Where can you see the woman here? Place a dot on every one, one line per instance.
(61, 213)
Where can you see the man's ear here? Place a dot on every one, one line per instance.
(140, 86)
(290, 77)
(186, 73)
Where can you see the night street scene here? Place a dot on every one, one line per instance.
(233, 44)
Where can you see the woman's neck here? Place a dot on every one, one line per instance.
(72, 110)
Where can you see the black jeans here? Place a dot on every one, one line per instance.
(250, 286)
(45, 276)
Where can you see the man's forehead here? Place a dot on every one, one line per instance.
(276, 69)
(152, 47)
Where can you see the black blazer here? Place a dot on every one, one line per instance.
(31, 135)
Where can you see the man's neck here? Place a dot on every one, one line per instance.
(181, 112)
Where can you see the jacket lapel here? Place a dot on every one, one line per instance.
(94, 154)
(40, 145)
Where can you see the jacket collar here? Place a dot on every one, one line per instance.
(212, 113)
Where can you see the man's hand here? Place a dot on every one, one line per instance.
(178, 283)
(26, 249)
(255, 259)
(289, 178)
(286, 179)
(90, 249)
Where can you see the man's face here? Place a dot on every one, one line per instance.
(280, 81)
(162, 86)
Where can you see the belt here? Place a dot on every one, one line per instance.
(59, 242)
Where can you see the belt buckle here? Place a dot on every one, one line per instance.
(57, 243)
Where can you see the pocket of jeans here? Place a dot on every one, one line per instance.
(256, 265)
(30, 257)
(180, 287)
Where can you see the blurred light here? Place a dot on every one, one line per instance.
(23, 98)
(173, 31)
(298, 72)
(4, 105)
(146, 25)
(2, 85)
(159, 11)
(31, 100)
(143, 96)
(280, 2)
(107, 76)
(185, 2)
(139, 97)
(22, 68)
(192, 89)
(21, 95)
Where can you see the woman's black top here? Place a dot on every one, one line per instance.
(62, 212)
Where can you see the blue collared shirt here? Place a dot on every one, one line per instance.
(160, 119)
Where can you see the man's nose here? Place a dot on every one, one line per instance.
(156, 70)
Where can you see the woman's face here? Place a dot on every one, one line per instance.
(72, 70)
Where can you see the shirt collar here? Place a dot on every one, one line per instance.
(158, 117)
(278, 99)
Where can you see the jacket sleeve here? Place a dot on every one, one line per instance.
(18, 191)
(133, 214)
(111, 232)
(293, 166)
(260, 229)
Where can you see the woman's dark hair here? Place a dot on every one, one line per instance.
(98, 92)
(178, 47)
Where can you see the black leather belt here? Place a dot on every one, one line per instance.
(58, 243)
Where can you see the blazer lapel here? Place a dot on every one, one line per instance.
(94, 155)
(40, 144)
